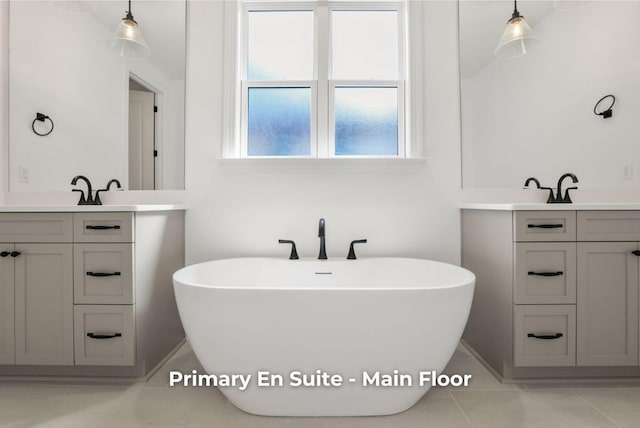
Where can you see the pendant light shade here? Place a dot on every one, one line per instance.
(128, 38)
(518, 38)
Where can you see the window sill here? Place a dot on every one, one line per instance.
(314, 165)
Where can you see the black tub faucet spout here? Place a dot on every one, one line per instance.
(323, 251)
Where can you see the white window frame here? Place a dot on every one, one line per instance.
(322, 144)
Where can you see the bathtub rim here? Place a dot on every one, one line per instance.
(470, 281)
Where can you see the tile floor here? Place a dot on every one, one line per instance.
(485, 403)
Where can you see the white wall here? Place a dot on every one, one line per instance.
(4, 96)
(533, 116)
(243, 212)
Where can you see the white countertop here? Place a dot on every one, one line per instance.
(89, 208)
(132, 201)
(579, 206)
(535, 200)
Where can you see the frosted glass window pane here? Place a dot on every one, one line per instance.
(279, 122)
(366, 121)
(280, 45)
(364, 45)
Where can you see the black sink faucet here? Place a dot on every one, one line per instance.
(529, 180)
(88, 200)
(323, 251)
(566, 198)
(112, 181)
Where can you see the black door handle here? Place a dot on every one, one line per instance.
(4, 254)
(103, 336)
(15, 253)
(635, 253)
(545, 226)
(99, 227)
(545, 336)
(101, 274)
(546, 273)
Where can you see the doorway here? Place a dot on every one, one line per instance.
(142, 136)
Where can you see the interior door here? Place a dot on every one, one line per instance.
(141, 140)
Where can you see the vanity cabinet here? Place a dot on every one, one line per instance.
(37, 322)
(88, 293)
(557, 292)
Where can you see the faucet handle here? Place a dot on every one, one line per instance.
(352, 253)
(83, 199)
(552, 198)
(567, 196)
(294, 253)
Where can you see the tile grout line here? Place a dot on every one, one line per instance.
(461, 411)
(596, 409)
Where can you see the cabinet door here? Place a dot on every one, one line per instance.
(607, 303)
(44, 304)
(7, 355)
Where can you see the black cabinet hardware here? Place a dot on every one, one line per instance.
(546, 273)
(545, 226)
(91, 227)
(4, 254)
(636, 253)
(15, 253)
(103, 336)
(101, 274)
(545, 336)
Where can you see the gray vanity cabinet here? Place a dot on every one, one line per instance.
(608, 284)
(36, 317)
(44, 304)
(7, 341)
(88, 293)
(557, 292)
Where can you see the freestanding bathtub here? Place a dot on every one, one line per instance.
(352, 318)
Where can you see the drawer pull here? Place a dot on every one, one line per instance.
(545, 226)
(4, 254)
(102, 274)
(103, 336)
(545, 336)
(546, 273)
(636, 253)
(99, 227)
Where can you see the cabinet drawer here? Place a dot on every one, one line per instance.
(104, 335)
(545, 273)
(103, 273)
(545, 335)
(103, 227)
(36, 227)
(544, 225)
(609, 226)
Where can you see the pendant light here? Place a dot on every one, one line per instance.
(518, 38)
(128, 37)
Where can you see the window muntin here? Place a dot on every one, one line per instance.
(348, 44)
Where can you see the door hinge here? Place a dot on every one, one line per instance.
(155, 109)
(155, 153)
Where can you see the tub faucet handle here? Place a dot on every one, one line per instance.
(294, 253)
(352, 253)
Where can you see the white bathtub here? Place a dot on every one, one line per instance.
(345, 317)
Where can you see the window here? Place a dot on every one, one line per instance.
(322, 80)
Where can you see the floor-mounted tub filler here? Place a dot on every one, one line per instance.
(324, 338)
